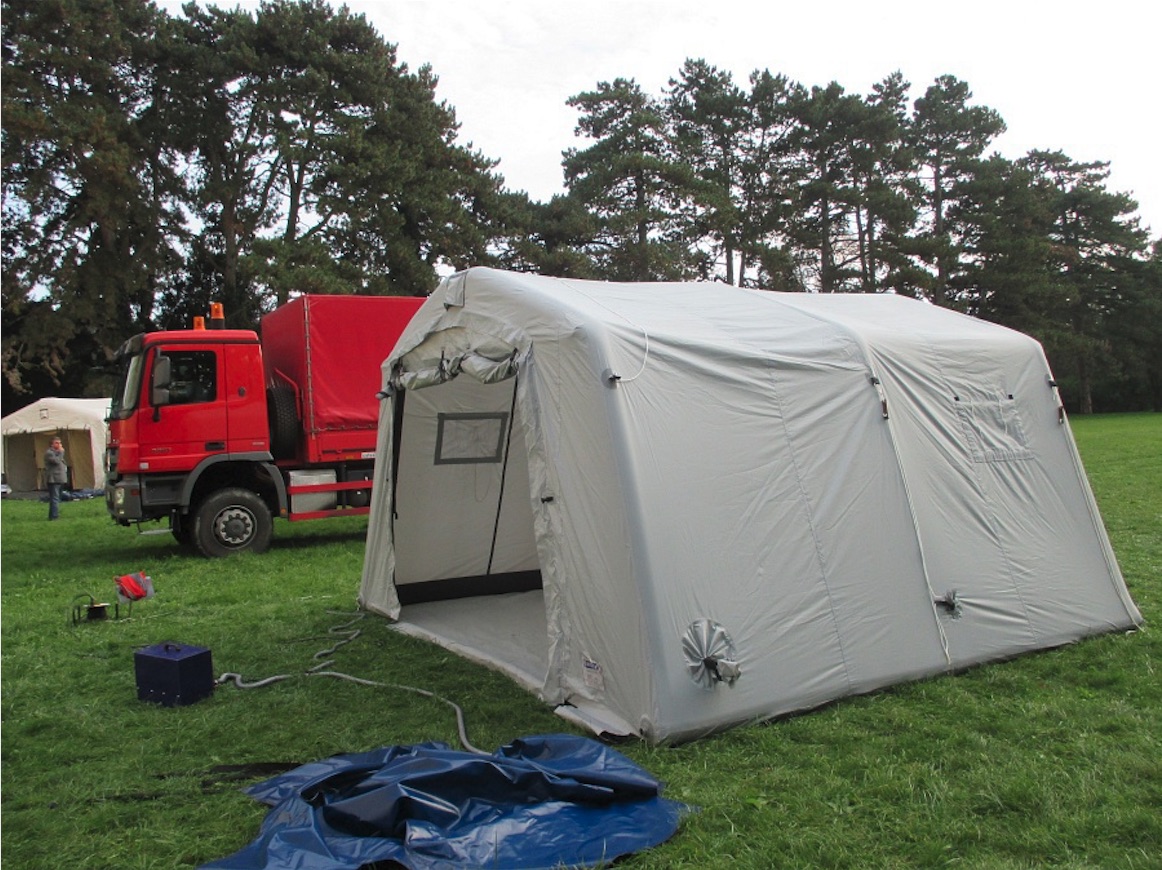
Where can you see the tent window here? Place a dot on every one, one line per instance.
(991, 424)
(470, 438)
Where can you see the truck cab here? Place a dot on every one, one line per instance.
(221, 430)
(189, 416)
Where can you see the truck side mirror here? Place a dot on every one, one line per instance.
(159, 385)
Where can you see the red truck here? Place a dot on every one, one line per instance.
(219, 431)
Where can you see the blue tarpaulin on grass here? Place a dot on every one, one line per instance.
(540, 802)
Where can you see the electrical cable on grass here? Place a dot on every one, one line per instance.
(316, 671)
(237, 680)
(461, 726)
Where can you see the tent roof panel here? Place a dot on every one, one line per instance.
(46, 415)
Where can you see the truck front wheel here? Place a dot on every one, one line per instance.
(232, 521)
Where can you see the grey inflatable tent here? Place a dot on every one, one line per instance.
(670, 508)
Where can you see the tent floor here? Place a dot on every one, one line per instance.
(507, 632)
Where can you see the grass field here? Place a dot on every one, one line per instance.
(1054, 759)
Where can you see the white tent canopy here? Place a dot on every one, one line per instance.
(27, 433)
(715, 504)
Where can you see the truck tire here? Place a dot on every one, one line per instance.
(284, 421)
(232, 521)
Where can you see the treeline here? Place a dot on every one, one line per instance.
(154, 163)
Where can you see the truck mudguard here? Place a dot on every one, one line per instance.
(263, 461)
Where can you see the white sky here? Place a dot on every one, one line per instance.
(1083, 79)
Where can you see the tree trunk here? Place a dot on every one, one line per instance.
(861, 235)
(230, 252)
(825, 254)
(643, 232)
(1084, 385)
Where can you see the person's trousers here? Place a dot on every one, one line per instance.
(54, 500)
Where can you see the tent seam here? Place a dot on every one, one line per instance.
(806, 502)
(944, 643)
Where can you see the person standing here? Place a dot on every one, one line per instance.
(56, 475)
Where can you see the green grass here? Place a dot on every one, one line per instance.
(1054, 759)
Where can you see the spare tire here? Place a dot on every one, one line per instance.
(284, 421)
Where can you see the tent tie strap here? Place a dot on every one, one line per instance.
(1057, 398)
(883, 396)
(723, 670)
(950, 602)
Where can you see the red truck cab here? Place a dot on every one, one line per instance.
(219, 431)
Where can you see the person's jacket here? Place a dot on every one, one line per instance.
(55, 470)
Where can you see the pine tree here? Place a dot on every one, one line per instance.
(631, 182)
(708, 117)
(1096, 244)
(949, 137)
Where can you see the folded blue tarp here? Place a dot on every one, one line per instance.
(540, 802)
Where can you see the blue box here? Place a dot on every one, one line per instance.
(173, 674)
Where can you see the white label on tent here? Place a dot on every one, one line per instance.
(594, 678)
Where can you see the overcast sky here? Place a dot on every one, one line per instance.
(1083, 79)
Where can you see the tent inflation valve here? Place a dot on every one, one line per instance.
(710, 655)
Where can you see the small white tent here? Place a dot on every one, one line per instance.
(27, 433)
(669, 508)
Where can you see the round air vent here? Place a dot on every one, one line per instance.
(710, 655)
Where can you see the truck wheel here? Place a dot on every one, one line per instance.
(284, 421)
(232, 521)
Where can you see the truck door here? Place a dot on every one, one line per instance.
(245, 398)
(191, 424)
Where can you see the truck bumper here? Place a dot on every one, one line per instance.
(123, 500)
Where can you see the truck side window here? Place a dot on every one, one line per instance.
(194, 378)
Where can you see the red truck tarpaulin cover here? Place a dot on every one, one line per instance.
(540, 802)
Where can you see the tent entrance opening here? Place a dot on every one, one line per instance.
(467, 572)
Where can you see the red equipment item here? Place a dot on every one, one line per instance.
(134, 587)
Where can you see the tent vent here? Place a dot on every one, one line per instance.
(710, 655)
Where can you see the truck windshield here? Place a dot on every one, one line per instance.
(128, 385)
